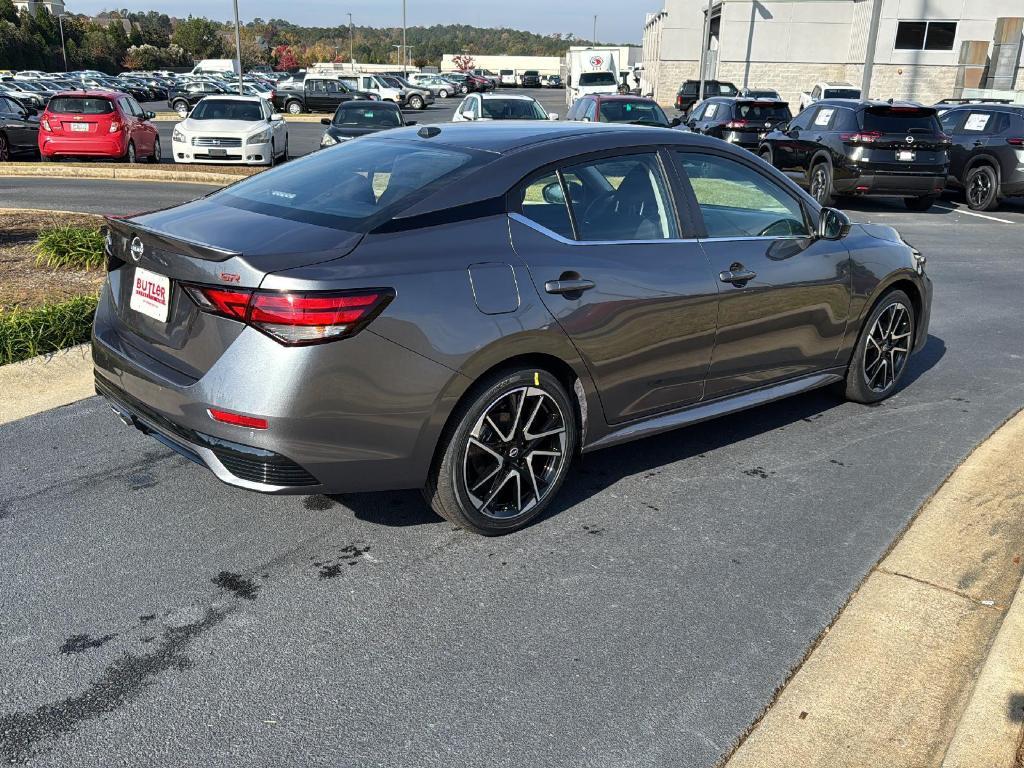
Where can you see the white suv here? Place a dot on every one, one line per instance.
(375, 84)
(825, 90)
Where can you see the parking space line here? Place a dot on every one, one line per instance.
(974, 213)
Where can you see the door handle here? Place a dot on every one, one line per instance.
(568, 286)
(818, 138)
(737, 275)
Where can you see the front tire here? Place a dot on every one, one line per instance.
(505, 452)
(416, 102)
(293, 108)
(442, 94)
(981, 188)
(883, 350)
(181, 107)
(919, 203)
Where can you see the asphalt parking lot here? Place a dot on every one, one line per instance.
(151, 614)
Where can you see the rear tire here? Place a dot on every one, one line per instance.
(981, 188)
(293, 108)
(129, 155)
(504, 453)
(766, 155)
(920, 203)
(442, 94)
(181, 107)
(155, 157)
(821, 184)
(880, 358)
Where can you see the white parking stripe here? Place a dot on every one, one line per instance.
(974, 213)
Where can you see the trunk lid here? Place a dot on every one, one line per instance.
(80, 116)
(902, 138)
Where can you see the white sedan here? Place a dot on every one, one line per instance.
(500, 106)
(225, 129)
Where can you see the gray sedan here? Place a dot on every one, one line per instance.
(465, 309)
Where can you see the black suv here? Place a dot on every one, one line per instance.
(182, 99)
(858, 147)
(741, 121)
(987, 155)
(689, 92)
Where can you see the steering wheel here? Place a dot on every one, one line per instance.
(785, 224)
(603, 199)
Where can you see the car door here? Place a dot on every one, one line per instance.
(335, 94)
(785, 295)
(623, 277)
(22, 133)
(145, 131)
(278, 127)
(974, 131)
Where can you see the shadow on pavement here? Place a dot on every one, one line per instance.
(594, 472)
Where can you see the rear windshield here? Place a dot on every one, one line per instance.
(597, 78)
(896, 120)
(368, 117)
(354, 186)
(762, 111)
(621, 111)
(513, 109)
(225, 109)
(80, 105)
(841, 93)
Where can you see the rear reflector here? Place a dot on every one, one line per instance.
(295, 318)
(236, 419)
(1016, 142)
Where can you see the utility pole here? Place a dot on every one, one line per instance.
(351, 45)
(63, 48)
(405, 69)
(594, 38)
(238, 51)
(703, 52)
(869, 53)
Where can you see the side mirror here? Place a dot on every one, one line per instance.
(324, 120)
(410, 122)
(833, 224)
(552, 115)
(552, 194)
(150, 115)
(276, 116)
(675, 122)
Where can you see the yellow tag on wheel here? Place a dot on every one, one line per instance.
(536, 378)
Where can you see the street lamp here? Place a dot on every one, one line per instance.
(405, 72)
(351, 46)
(63, 48)
(238, 51)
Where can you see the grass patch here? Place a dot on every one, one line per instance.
(69, 246)
(726, 193)
(26, 333)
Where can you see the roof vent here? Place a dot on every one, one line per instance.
(428, 131)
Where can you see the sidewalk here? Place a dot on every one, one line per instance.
(924, 667)
(50, 381)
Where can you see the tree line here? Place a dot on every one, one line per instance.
(118, 40)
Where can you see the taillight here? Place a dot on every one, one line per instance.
(862, 137)
(115, 126)
(45, 123)
(1015, 141)
(295, 319)
(736, 124)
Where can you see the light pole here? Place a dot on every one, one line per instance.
(238, 51)
(594, 38)
(405, 72)
(703, 52)
(63, 48)
(351, 46)
(869, 53)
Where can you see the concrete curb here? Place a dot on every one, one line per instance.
(115, 172)
(921, 668)
(45, 382)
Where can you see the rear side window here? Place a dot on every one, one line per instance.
(900, 120)
(981, 123)
(737, 201)
(355, 186)
(80, 105)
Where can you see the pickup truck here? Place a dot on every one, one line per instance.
(315, 94)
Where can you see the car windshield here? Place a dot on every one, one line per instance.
(368, 117)
(226, 109)
(762, 111)
(513, 109)
(353, 186)
(622, 111)
(901, 120)
(80, 105)
(841, 93)
(597, 78)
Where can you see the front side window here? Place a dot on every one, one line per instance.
(316, 86)
(726, 89)
(621, 198)
(542, 201)
(737, 201)
(590, 110)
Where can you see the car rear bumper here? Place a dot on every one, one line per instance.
(892, 183)
(361, 414)
(112, 145)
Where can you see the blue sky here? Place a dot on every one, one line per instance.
(618, 20)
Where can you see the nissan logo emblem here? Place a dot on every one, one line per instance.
(137, 249)
(910, 139)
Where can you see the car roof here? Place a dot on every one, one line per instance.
(839, 84)
(516, 96)
(1014, 109)
(232, 97)
(769, 99)
(389, 105)
(619, 97)
(869, 103)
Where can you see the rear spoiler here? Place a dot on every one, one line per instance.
(128, 231)
(909, 109)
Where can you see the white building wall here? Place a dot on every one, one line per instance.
(545, 65)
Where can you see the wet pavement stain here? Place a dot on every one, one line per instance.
(236, 584)
(348, 556)
(146, 618)
(758, 472)
(83, 643)
(22, 734)
(318, 503)
(836, 462)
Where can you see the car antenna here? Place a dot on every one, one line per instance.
(428, 131)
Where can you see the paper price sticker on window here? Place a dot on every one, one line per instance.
(824, 117)
(710, 112)
(976, 121)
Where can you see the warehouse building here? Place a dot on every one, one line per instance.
(925, 50)
(545, 65)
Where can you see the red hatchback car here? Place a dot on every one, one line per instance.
(105, 124)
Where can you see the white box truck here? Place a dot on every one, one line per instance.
(591, 70)
(215, 67)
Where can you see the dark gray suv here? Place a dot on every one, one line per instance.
(463, 309)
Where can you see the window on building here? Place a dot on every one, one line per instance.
(925, 35)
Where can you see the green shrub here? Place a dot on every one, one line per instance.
(67, 246)
(25, 333)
